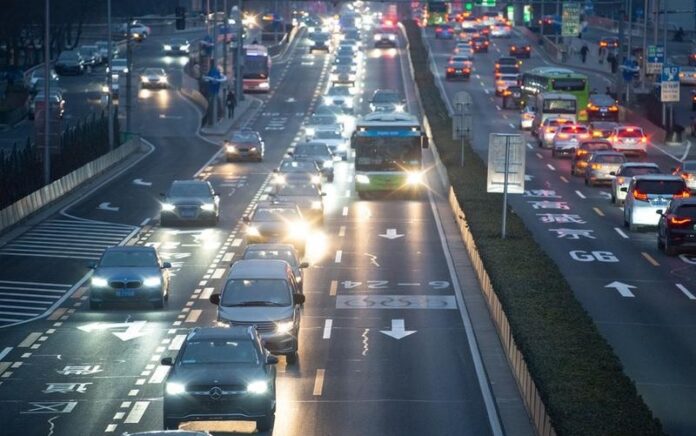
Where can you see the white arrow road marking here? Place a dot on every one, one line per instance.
(133, 329)
(398, 330)
(141, 182)
(605, 194)
(623, 288)
(107, 206)
(391, 234)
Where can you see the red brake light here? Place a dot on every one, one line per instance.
(644, 139)
(629, 129)
(438, 29)
(450, 70)
(581, 152)
(613, 108)
(682, 194)
(678, 221)
(640, 196)
(563, 135)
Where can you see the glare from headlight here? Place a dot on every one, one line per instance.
(392, 37)
(316, 205)
(252, 231)
(278, 179)
(99, 282)
(414, 178)
(299, 230)
(209, 207)
(378, 37)
(316, 179)
(105, 89)
(362, 179)
(152, 282)
(168, 207)
(264, 85)
(257, 387)
(175, 388)
(328, 100)
(143, 78)
(310, 131)
(231, 149)
(284, 326)
(399, 108)
(168, 47)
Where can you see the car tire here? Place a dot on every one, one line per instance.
(171, 424)
(613, 198)
(265, 424)
(660, 244)
(291, 358)
(625, 220)
(670, 250)
(330, 178)
(159, 304)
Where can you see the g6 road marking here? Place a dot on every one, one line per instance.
(592, 256)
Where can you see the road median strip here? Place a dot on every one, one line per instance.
(571, 380)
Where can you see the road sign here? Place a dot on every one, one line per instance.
(655, 58)
(570, 20)
(498, 143)
(669, 84)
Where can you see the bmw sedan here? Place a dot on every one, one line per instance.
(190, 201)
(244, 145)
(129, 273)
(154, 78)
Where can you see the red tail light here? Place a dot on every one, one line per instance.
(620, 180)
(613, 108)
(644, 139)
(597, 133)
(450, 70)
(563, 136)
(438, 29)
(682, 194)
(640, 196)
(580, 152)
(675, 221)
(466, 70)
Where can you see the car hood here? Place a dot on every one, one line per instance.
(303, 201)
(270, 227)
(188, 200)
(217, 374)
(127, 273)
(250, 314)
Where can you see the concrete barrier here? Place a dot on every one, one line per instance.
(30, 204)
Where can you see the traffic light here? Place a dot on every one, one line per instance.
(180, 13)
(468, 6)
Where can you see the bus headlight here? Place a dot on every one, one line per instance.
(414, 178)
(362, 179)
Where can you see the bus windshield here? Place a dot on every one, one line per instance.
(388, 153)
(575, 84)
(561, 106)
(255, 67)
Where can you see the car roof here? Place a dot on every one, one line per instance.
(690, 201)
(219, 332)
(259, 269)
(640, 164)
(189, 182)
(607, 153)
(666, 177)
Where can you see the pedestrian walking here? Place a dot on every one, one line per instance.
(231, 103)
(611, 60)
(583, 52)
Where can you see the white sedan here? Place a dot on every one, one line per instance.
(154, 78)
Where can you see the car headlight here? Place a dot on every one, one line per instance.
(348, 103)
(378, 37)
(152, 282)
(175, 388)
(278, 179)
(284, 326)
(163, 79)
(252, 231)
(257, 387)
(105, 89)
(328, 100)
(310, 131)
(231, 148)
(208, 207)
(414, 178)
(392, 37)
(399, 107)
(99, 282)
(328, 164)
(299, 230)
(316, 180)
(168, 207)
(143, 78)
(334, 77)
(362, 179)
(168, 47)
(316, 205)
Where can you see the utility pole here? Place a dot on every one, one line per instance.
(666, 108)
(645, 46)
(558, 14)
(225, 45)
(541, 24)
(619, 55)
(129, 75)
(109, 77)
(213, 116)
(47, 104)
(630, 45)
(239, 54)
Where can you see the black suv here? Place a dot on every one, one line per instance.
(676, 231)
(221, 374)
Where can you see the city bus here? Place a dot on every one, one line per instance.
(388, 153)
(436, 13)
(554, 79)
(256, 69)
(554, 104)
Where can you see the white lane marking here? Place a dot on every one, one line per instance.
(218, 273)
(342, 231)
(236, 242)
(318, 383)
(486, 91)
(686, 292)
(540, 156)
(328, 324)
(497, 107)
(347, 193)
(333, 287)
(29, 340)
(119, 415)
(551, 167)
(193, 316)
(110, 428)
(345, 211)
(177, 342)
(5, 352)
(564, 179)
(621, 233)
(160, 374)
(133, 392)
(492, 412)
(227, 257)
(145, 221)
(207, 292)
(580, 194)
(339, 255)
(137, 412)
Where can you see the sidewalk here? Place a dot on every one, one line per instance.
(243, 113)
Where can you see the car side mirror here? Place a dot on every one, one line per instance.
(215, 299)
(167, 361)
(290, 153)
(245, 219)
(304, 265)
(613, 173)
(624, 189)
(272, 194)
(166, 265)
(92, 265)
(296, 298)
(659, 212)
(271, 359)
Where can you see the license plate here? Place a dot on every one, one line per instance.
(125, 293)
(188, 214)
(573, 139)
(516, 94)
(603, 110)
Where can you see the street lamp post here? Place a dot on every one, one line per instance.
(47, 104)
(109, 77)
(460, 132)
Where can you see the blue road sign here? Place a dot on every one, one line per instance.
(656, 54)
(670, 73)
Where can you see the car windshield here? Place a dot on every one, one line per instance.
(189, 190)
(297, 190)
(630, 133)
(507, 61)
(121, 63)
(68, 56)
(639, 171)
(219, 351)
(386, 97)
(687, 210)
(312, 150)
(344, 60)
(610, 159)
(256, 292)
(125, 258)
(602, 100)
(322, 120)
(272, 214)
(178, 42)
(659, 187)
(339, 90)
(328, 134)
(154, 72)
(286, 255)
(508, 70)
(298, 167)
(596, 146)
(244, 137)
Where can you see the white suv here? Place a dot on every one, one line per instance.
(648, 194)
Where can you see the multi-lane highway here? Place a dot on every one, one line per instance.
(384, 348)
(641, 300)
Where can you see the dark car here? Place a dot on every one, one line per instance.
(272, 221)
(385, 38)
(307, 196)
(520, 51)
(190, 201)
(458, 67)
(221, 374)
(602, 129)
(284, 252)
(297, 170)
(244, 144)
(602, 166)
(444, 31)
(177, 46)
(676, 230)
(584, 151)
(318, 152)
(602, 107)
(69, 62)
(609, 42)
(479, 44)
(506, 61)
(320, 41)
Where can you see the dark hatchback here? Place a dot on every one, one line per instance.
(221, 374)
(676, 231)
(244, 144)
(602, 107)
(583, 153)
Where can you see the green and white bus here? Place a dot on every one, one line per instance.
(388, 155)
(437, 12)
(554, 79)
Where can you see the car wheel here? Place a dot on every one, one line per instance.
(265, 424)
(625, 220)
(291, 358)
(159, 304)
(613, 198)
(330, 178)
(171, 424)
(670, 249)
(660, 244)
